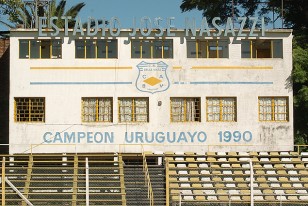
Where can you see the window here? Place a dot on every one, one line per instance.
(29, 109)
(262, 48)
(134, 109)
(273, 109)
(96, 109)
(221, 109)
(40, 49)
(207, 48)
(99, 48)
(185, 109)
(152, 49)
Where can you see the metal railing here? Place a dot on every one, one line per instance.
(178, 200)
(61, 179)
(147, 178)
(131, 148)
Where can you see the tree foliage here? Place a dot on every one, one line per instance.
(300, 88)
(294, 12)
(19, 14)
(9, 11)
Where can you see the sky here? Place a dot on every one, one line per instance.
(127, 10)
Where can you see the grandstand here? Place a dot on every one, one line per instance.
(212, 178)
(124, 118)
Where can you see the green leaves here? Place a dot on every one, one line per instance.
(300, 65)
(14, 13)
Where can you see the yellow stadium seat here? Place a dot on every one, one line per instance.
(210, 153)
(194, 179)
(292, 197)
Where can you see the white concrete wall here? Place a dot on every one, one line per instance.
(63, 102)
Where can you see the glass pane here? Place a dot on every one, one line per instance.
(191, 49)
(45, 49)
(277, 48)
(141, 110)
(263, 48)
(202, 50)
(158, 49)
(112, 48)
(90, 49)
(168, 49)
(177, 109)
(213, 49)
(35, 49)
(245, 46)
(89, 109)
(146, 49)
(281, 109)
(101, 48)
(24, 49)
(223, 48)
(213, 109)
(105, 110)
(228, 109)
(56, 49)
(79, 48)
(265, 109)
(136, 49)
(126, 110)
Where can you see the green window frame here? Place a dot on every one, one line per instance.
(273, 109)
(29, 109)
(221, 109)
(133, 109)
(97, 109)
(185, 109)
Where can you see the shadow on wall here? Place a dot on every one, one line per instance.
(4, 94)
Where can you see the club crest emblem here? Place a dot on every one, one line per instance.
(152, 77)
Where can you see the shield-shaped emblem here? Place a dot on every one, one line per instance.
(152, 77)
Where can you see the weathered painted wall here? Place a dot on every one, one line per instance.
(71, 79)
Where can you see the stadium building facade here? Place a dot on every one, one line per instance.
(73, 93)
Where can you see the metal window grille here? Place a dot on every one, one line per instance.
(133, 109)
(273, 109)
(185, 110)
(221, 109)
(29, 109)
(95, 109)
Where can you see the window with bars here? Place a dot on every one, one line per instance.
(185, 109)
(96, 48)
(273, 109)
(152, 49)
(207, 48)
(97, 109)
(262, 48)
(134, 109)
(29, 109)
(221, 109)
(40, 49)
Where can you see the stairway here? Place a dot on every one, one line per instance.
(136, 189)
(157, 176)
